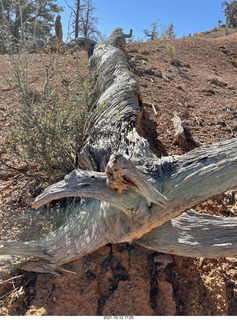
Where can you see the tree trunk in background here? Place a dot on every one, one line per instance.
(77, 16)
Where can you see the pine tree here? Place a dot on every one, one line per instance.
(153, 32)
(21, 19)
(43, 16)
(168, 33)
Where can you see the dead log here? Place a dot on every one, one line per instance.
(194, 235)
(81, 44)
(127, 194)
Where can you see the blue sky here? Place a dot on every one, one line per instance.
(186, 15)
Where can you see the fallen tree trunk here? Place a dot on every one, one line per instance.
(194, 235)
(126, 192)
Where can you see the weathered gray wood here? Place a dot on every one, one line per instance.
(195, 235)
(179, 129)
(181, 182)
(87, 45)
(151, 191)
(119, 101)
(123, 175)
(87, 184)
(84, 229)
(184, 180)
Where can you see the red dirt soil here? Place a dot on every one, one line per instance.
(200, 83)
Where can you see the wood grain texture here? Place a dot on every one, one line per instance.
(126, 192)
(195, 235)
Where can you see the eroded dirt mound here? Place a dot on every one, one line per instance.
(199, 82)
(127, 280)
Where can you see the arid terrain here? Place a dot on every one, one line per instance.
(199, 82)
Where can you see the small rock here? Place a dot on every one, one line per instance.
(133, 50)
(138, 57)
(149, 71)
(186, 65)
(222, 123)
(145, 52)
(158, 73)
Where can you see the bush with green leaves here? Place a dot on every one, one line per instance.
(50, 120)
(48, 126)
(170, 50)
(25, 19)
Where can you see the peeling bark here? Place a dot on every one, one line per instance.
(128, 194)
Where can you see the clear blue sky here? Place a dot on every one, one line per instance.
(186, 15)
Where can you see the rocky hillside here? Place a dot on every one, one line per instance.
(197, 78)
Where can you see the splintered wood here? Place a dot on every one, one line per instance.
(182, 134)
(180, 137)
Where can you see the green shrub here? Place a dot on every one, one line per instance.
(49, 125)
(50, 121)
(170, 50)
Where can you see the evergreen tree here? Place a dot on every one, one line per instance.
(153, 32)
(43, 15)
(22, 19)
(168, 33)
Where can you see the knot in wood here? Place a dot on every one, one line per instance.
(75, 177)
(118, 172)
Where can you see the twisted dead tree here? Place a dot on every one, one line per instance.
(230, 13)
(127, 193)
